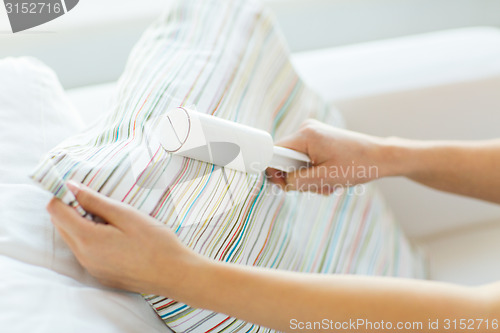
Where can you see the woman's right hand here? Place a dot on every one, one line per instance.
(340, 158)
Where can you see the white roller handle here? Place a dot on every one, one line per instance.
(288, 160)
(224, 143)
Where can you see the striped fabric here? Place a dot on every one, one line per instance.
(227, 58)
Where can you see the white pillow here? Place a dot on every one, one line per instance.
(42, 285)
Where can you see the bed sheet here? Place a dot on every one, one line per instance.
(43, 287)
(37, 299)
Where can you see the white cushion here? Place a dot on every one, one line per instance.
(92, 101)
(402, 64)
(42, 285)
(466, 256)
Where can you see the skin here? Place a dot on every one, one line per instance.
(469, 168)
(134, 252)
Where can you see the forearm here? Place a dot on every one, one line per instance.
(131, 252)
(273, 298)
(466, 168)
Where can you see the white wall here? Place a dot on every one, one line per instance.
(90, 44)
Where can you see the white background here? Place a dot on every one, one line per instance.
(77, 44)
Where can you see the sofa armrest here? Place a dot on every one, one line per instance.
(436, 86)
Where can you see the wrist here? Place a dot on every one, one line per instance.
(185, 280)
(206, 285)
(398, 157)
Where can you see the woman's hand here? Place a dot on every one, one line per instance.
(344, 158)
(133, 251)
(339, 158)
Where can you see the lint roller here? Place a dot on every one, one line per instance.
(224, 143)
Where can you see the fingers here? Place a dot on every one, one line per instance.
(68, 239)
(303, 179)
(296, 141)
(97, 204)
(313, 179)
(65, 218)
(301, 139)
(80, 234)
(277, 177)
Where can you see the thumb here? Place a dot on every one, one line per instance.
(312, 179)
(111, 211)
(295, 141)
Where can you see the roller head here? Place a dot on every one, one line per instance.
(214, 140)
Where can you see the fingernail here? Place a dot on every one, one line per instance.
(73, 186)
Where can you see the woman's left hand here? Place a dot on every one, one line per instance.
(133, 251)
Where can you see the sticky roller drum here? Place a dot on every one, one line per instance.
(206, 138)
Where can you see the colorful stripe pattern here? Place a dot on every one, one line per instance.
(227, 58)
